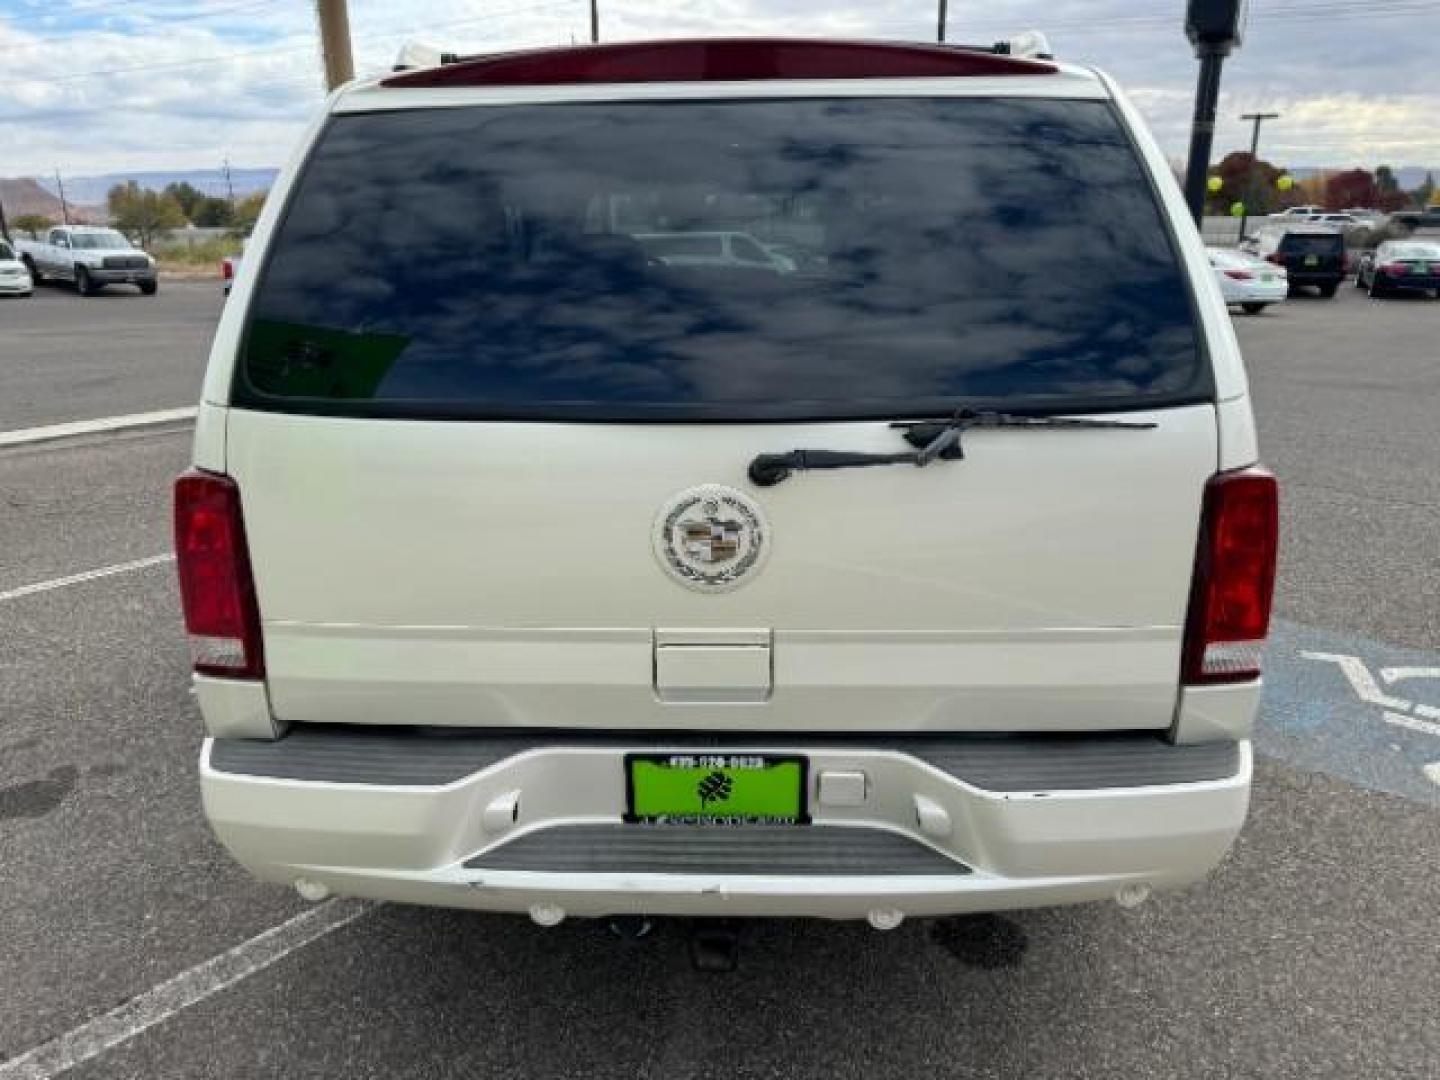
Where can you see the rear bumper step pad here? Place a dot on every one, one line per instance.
(401, 757)
(791, 850)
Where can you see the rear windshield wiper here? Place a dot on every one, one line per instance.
(932, 439)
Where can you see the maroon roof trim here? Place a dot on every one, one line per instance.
(719, 60)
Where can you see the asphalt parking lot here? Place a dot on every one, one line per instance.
(66, 357)
(1313, 952)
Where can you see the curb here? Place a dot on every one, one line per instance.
(104, 425)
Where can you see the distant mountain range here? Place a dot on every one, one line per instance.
(23, 196)
(93, 189)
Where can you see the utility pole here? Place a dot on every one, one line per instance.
(940, 29)
(1257, 119)
(229, 186)
(64, 206)
(334, 21)
(4, 225)
(594, 22)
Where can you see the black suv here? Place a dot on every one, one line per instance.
(1309, 258)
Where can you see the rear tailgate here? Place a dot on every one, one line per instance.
(503, 574)
(466, 394)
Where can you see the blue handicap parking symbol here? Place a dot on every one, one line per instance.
(1354, 708)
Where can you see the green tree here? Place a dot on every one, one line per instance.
(246, 211)
(143, 214)
(1425, 193)
(1388, 195)
(34, 224)
(211, 213)
(188, 196)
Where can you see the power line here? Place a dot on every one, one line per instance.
(110, 9)
(1318, 14)
(67, 11)
(287, 50)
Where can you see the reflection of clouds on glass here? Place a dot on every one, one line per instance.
(933, 249)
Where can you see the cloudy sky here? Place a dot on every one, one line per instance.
(94, 86)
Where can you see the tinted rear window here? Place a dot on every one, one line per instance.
(531, 261)
(1313, 245)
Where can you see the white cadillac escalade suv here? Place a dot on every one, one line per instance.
(527, 571)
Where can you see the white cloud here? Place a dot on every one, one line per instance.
(1318, 67)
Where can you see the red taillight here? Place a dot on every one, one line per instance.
(1276, 258)
(1239, 275)
(1234, 578)
(227, 269)
(217, 592)
(719, 59)
(1394, 269)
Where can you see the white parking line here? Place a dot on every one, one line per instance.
(25, 436)
(88, 575)
(155, 1006)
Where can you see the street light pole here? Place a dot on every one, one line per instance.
(940, 31)
(334, 19)
(1257, 119)
(594, 22)
(1202, 129)
(1214, 27)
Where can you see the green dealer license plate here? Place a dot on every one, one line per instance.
(709, 788)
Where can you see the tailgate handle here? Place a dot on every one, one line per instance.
(715, 667)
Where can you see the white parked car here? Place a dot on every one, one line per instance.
(14, 277)
(1251, 283)
(525, 572)
(1335, 220)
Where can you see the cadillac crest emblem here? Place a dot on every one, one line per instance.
(710, 538)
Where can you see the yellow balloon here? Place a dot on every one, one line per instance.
(1214, 183)
(1285, 183)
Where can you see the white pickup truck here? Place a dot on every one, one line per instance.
(91, 257)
